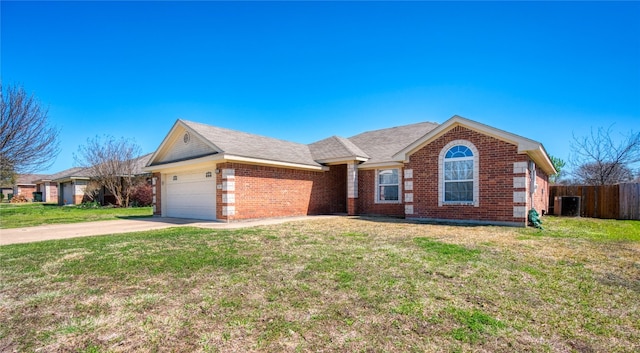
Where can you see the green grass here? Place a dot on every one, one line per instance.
(588, 228)
(339, 285)
(34, 214)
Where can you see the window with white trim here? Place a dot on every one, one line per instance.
(388, 185)
(459, 174)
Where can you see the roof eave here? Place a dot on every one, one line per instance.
(342, 160)
(541, 158)
(386, 164)
(269, 162)
(70, 178)
(221, 158)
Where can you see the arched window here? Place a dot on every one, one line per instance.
(459, 173)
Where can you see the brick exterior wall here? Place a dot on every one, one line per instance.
(496, 193)
(263, 191)
(246, 191)
(541, 195)
(366, 201)
(26, 191)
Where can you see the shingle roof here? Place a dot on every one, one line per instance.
(141, 162)
(243, 144)
(382, 144)
(25, 179)
(376, 146)
(335, 147)
(78, 172)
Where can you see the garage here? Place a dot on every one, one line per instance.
(191, 194)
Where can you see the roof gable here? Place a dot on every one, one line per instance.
(230, 145)
(526, 146)
(336, 149)
(181, 143)
(381, 145)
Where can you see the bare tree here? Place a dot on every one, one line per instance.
(27, 141)
(590, 174)
(112, 163)
(598, 160)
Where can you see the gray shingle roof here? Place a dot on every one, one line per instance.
(141, 162)
(27, 179)
(377, 146)
(253, 146)
(335, 147)
(78, 172)
(382, 144)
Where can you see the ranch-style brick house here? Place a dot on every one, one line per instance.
(458, 171)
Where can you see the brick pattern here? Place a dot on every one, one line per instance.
(541, 195)
(352, 189)
(263, 191)
(496, 185)
(366, 202)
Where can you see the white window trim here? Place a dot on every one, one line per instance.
(377, 193)
(476, 174)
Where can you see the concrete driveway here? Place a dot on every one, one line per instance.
(85, 229)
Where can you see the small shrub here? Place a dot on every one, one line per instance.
(142, 196)
(19, 199)
(89, 204)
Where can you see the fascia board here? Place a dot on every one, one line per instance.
(342, 160)
(260, 161)
(70, 178)
(162, 144)
(541, 158)
(221, 158)
(381, 165)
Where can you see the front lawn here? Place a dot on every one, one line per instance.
(35, 214)
(338, 285)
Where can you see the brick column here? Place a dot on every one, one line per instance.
(352, 188)
(228, 194)
(156, 181)
(408, 195)
(520, 191)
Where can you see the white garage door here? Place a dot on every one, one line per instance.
(191, 194)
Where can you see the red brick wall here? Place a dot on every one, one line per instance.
(26, 191)
(541, 196)
(496, 160)
(366, 202)
(262, 191)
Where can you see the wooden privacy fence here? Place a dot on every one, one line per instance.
(621, 201)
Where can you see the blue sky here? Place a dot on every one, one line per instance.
(303, 71)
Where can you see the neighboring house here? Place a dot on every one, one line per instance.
(70, 185)
(47, 188)
(24, 185)
(460, 171)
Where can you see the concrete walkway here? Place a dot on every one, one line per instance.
(85, 229)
